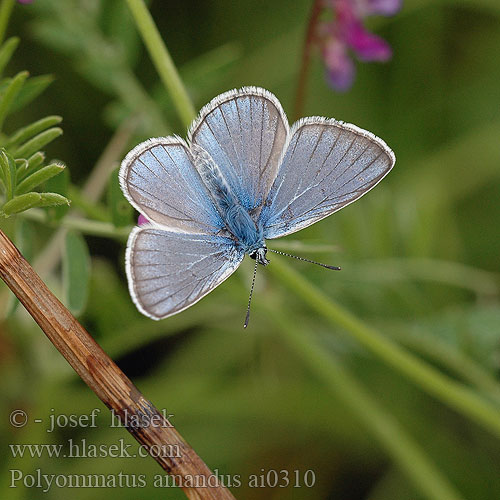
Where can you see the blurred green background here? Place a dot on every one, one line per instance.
(419, 254)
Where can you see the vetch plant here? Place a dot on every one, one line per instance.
(338, 37)
(23, 171)
(346, 34)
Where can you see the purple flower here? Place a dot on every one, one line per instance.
(346, 33)
(340, 68)
(141, 221)
(368, 47)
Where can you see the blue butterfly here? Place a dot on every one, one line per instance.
(243, 177)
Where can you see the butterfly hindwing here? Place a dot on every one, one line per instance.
(169, 271)
(327, 165)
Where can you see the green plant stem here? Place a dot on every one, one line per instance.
(404, 450)
(94, 228)
(5, 10)
(162, 61)
(449, 357)
(422, 374)
(483, 283)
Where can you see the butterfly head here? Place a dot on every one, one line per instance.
(259, 255)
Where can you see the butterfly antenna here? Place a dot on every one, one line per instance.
(334, 268)
(247, 318)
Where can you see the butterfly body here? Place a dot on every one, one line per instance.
(243, 177)
(247, 233)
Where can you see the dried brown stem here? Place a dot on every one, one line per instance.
(310, 38)
(102, 375)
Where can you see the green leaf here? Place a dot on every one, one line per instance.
(9, 173)
(21, 164)
(31, 164)
(32, 88)
(58, 184)
(20, 204)
(42, 175)
(10, 94)
(52, 200)
(121, 210)
(76, 272)
(23, 134)
(6, 51)
(38, 142)
(30, 200)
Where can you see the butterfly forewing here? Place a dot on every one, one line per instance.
(327, 165)
(169, 271)
(244, 132)
(160, 180)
